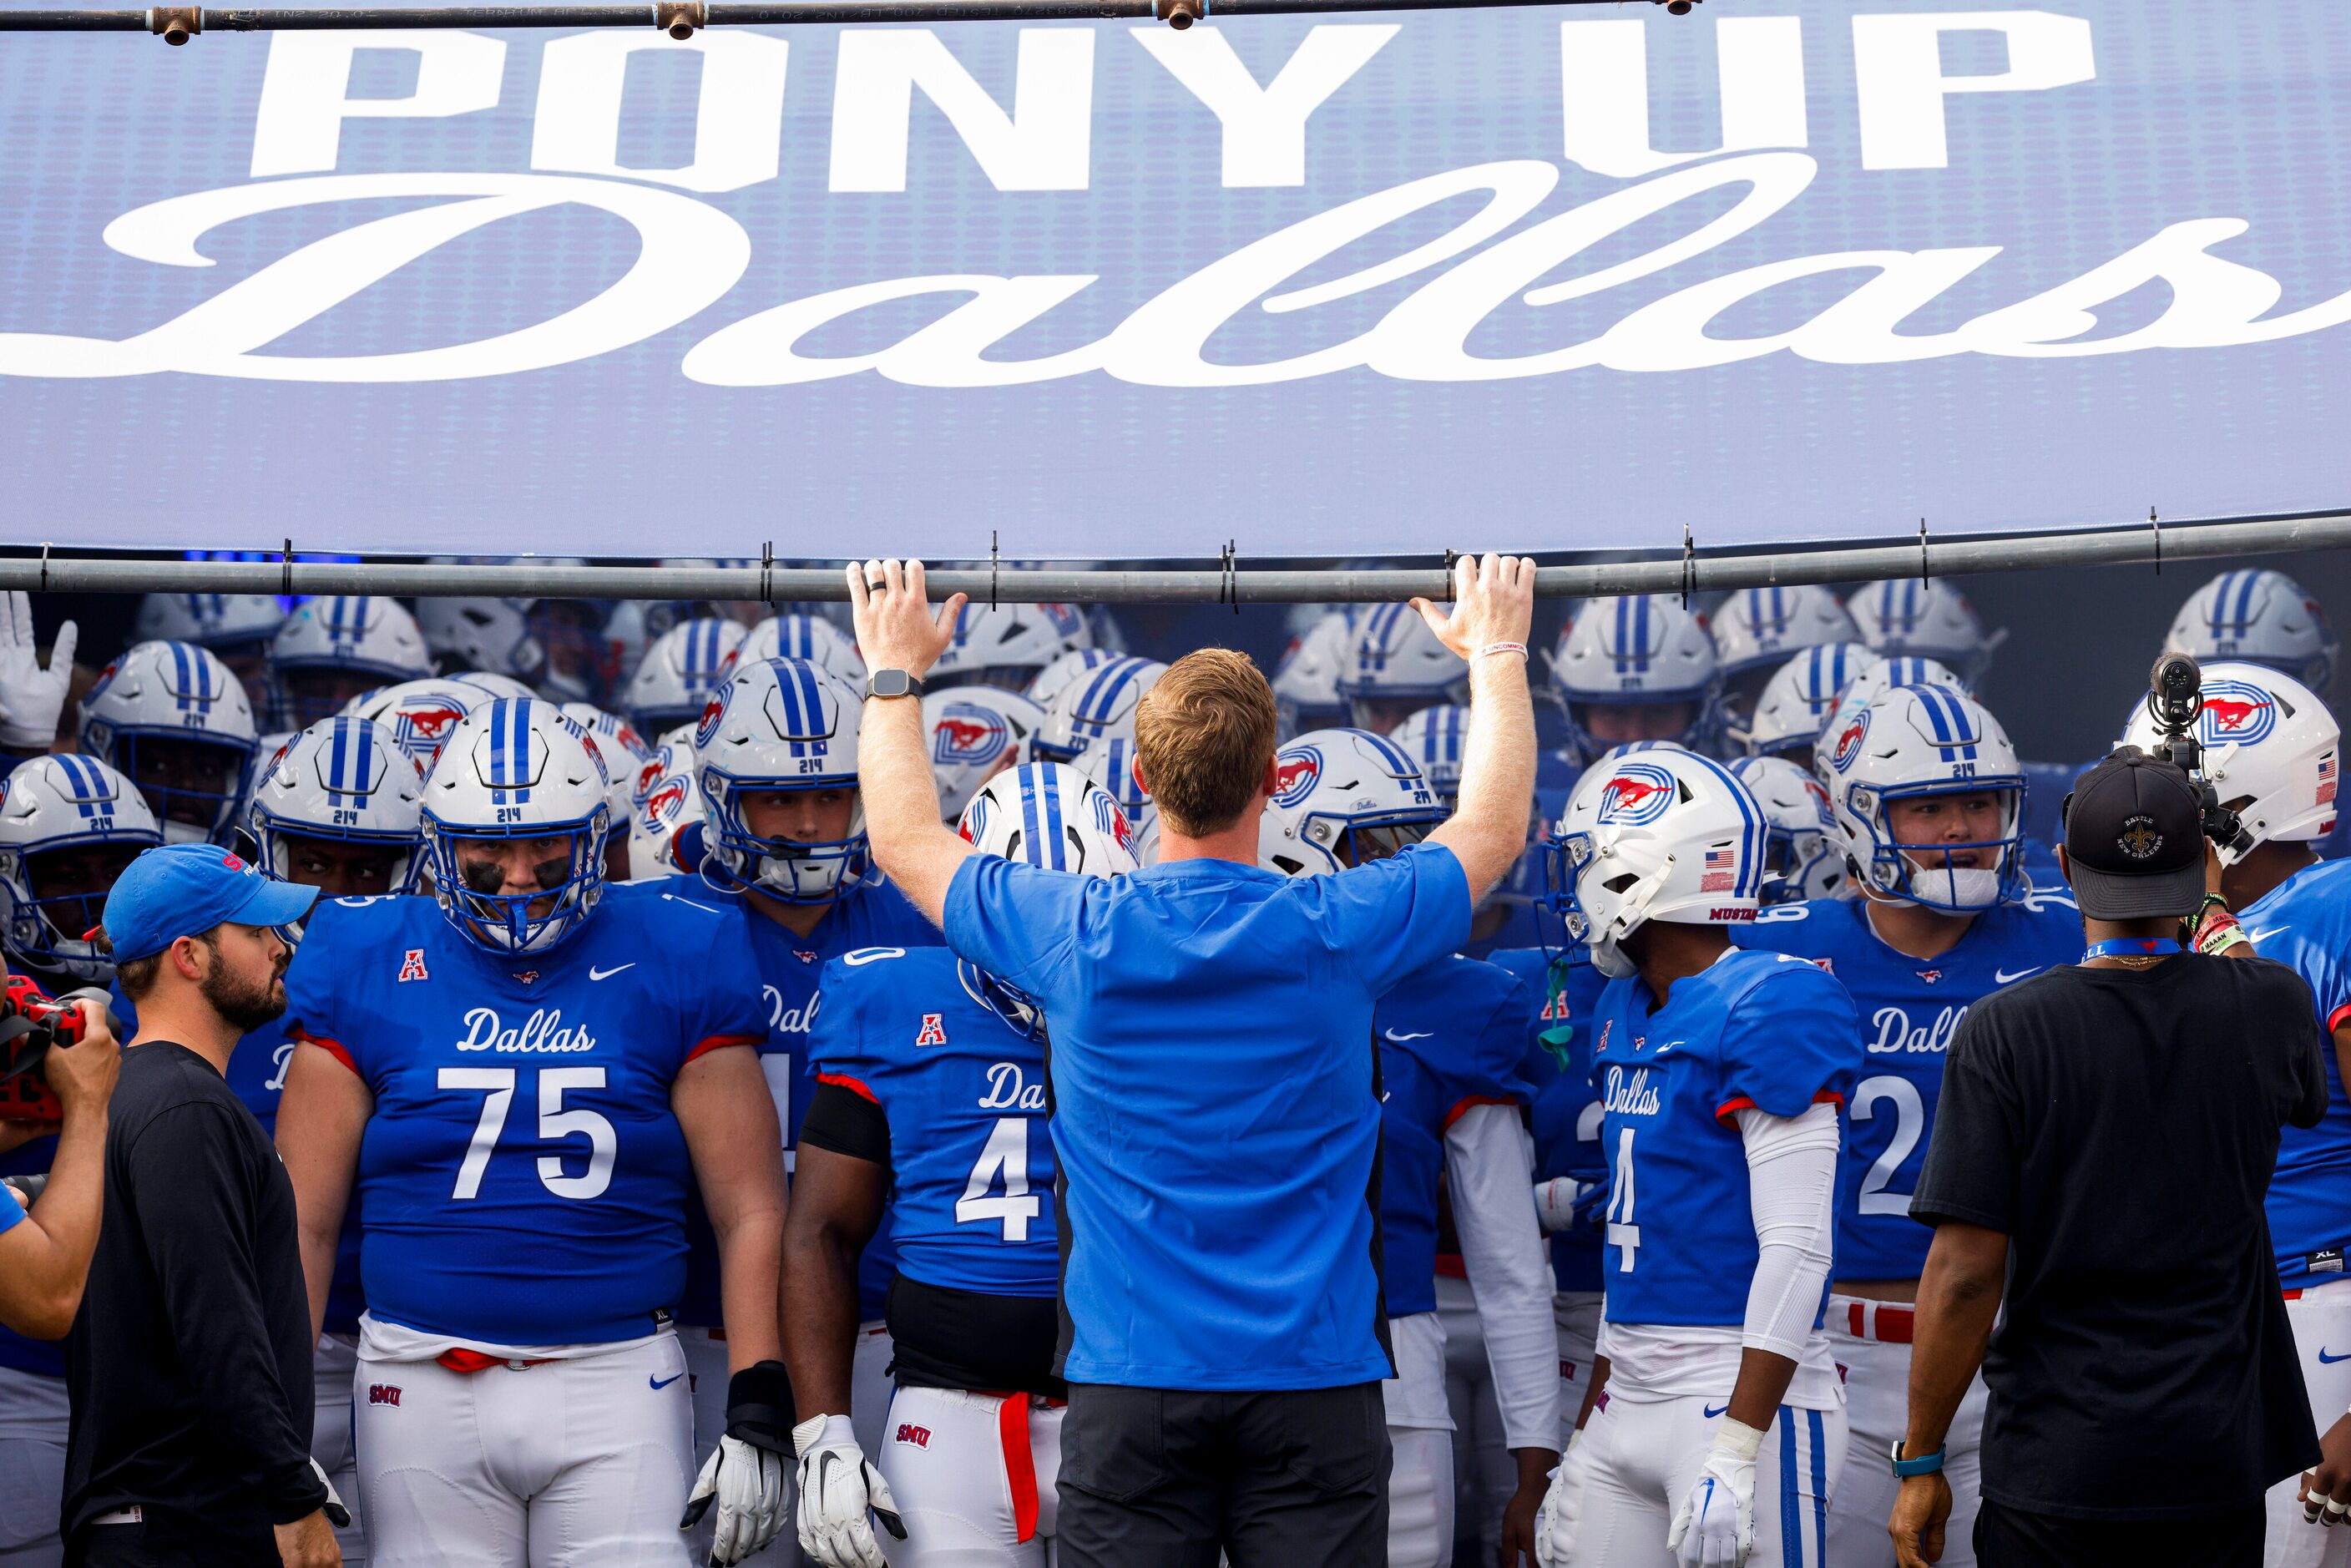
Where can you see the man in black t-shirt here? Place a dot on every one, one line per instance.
(189, 1366)
(2106, 1134)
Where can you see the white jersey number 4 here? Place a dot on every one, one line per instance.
(1006, 1157)
(497, 1086)
(1623, 1234)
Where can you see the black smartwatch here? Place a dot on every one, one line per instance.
(893, 684)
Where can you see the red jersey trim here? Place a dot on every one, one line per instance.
(2338, 1018)
(333, 1048)
(844, 1081)
(1737, 1102)
(716, 1041)
(1470, 1102)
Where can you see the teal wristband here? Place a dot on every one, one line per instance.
(1924, 1465)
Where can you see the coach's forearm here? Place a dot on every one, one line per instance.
(902, 805)
(1487, 831)
(1958, 1299)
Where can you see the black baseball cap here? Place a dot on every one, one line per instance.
(2134, 839)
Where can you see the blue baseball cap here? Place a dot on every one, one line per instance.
(184, 890)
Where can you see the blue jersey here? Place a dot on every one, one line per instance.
(790, 970)
(1451, 1037)
(1755, 1029)
(1558, 1063)
(2304, 922)
(523, 1179)
(971, 1152)
(1910, 1008)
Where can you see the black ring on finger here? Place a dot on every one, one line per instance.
(876, 584)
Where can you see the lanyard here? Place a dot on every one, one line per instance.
(2132, 948)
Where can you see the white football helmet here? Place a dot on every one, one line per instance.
(1103, 703)
(802, 636)
(516, 768)
(1053, 678)
(2268, 743)
(1874, 681)
(1343, 797)
(1110, 762)
(1641, 651)
(1803, 858)
(1046, 814)
(1006, 644)
(591, 646)
(492, 636)
(1435, 737)
(422, 715)
(344, 778)
(2262, 618)
(1930, 620)
(625, 752)
(1914, 741)
(498, 685)
(220, 621)
(1659, 834)
(681, 669)
(780, 726)
(976, 732)
(172, 718)
(1306, 683)
(670, 806)
(1761, 628)
(59, 806)
(331, 649)
(1396, 667)
(1797, 701)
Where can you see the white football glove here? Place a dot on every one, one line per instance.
(1555, 1520)
(31, 698)
(1555, 1203)
(747, 1482)
(1715, 1526)
(838, 1486)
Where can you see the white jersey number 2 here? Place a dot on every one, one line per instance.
(497, 1086)
(1910, 1122)
(1005, 1159)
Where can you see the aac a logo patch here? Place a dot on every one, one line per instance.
(412, 966)
(934, 1030)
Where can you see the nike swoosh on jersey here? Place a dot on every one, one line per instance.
(596, 974)
(2331, 1360)
(1400, 1039)
(660, 1383)
(2004, 977)
(2266, 932)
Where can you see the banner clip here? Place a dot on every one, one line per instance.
(286, 571)
(767, 574)
(2157, 527)
(1922, 552)
(1690, 563)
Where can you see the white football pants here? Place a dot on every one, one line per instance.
(1484, 1476)
(33, 1417)
(1644, 1457)
(1576, 1315)
(977, 1477)
(581, 1462)
(1420, 1434)
(870, 1392)
(1878, 1401)
(331, 1367)
(2322, 1338)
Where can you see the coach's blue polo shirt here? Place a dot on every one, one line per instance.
(11, 1211)
(1212, 1066)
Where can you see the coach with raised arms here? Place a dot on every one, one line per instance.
(1215, 1082)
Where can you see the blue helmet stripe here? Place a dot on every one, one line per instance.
(2244, 617)
(200, 666)
(1054, 818)
(1751, 864)
(788, 689)
(1641, 632)
(811, 696)
(180, 669)
(1030, 832)
(337, 749)
(364, 732)
(1624, 634)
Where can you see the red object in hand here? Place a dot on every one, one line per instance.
(30, 1024)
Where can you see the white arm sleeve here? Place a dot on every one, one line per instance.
(1792, 1165)
(1489, 1164)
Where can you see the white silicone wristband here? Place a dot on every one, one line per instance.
(1518, 648)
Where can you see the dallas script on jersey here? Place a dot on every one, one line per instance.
(1896, 1031)
(542, 1032)
(1637, 1097)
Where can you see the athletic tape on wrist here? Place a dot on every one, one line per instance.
(1737, 1438)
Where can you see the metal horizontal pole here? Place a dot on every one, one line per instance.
(177, 24)
(2138, 543)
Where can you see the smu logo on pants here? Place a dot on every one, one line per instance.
(920, 1436)
(383, 1394)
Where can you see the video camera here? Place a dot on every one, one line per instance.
(2174, 699)
(30, 1025)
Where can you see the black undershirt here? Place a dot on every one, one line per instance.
(944, 1337)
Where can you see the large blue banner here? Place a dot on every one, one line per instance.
(1779, 271)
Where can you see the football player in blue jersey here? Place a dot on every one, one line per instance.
(2273, 754)
(929, 1119)
(783, 836)
(68, 826)
(526, 1077)
(1716, 1431)
(1452, 1035)
(1926, 797)
(1643, 667)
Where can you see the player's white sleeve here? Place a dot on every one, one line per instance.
(1489, 1165)
(1791, 1183)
